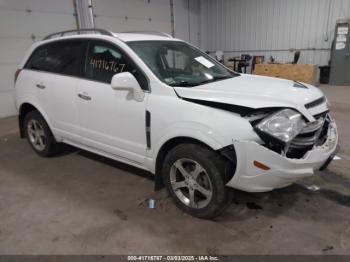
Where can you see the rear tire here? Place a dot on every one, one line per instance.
(39, 134)
(194, 177)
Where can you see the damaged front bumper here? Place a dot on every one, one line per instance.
(282, 171)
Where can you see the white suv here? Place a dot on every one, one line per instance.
(160, 104)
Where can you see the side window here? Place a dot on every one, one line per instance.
(105, 60)
(37, 61)
(58, 57)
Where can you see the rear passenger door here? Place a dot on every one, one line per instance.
(60, 65)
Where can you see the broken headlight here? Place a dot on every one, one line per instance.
(282, 126)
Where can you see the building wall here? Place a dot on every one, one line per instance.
(153, 15)
(187, 20)
(257, 27)
(132, 15)
(24, 22)
(272, 27)
(21, 24)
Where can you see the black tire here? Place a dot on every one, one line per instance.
(49, 142)
(214, 166)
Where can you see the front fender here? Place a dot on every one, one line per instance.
(194, 130)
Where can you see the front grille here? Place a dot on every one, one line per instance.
(315, 133)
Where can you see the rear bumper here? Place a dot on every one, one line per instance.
(283, 171)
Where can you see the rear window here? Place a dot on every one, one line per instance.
(62, 57)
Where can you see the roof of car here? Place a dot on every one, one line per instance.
(128, 37)
(124, 36)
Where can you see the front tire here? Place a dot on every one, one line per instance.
(194, 177)
(39, 134)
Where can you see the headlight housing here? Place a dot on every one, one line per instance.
(283, 125)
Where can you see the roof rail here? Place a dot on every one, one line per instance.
(149, 33)
(78, 32)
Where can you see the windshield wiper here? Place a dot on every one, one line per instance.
(214, 79)
(189, 84)
(184, 84)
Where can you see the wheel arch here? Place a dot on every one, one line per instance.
(227, 152)
(24, 109)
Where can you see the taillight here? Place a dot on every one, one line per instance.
(17, 74)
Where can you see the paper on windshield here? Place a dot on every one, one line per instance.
(204, 61)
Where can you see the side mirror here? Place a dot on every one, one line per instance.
(126, 81)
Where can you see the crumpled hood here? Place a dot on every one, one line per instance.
(254, 92)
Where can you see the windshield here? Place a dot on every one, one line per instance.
(179, 64)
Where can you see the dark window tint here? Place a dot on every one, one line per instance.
(105, 60)
(59, 57)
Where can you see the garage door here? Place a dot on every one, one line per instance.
(121, 15)
(21, 23)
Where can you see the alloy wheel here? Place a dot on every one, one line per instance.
(36, 134)
(191, 183)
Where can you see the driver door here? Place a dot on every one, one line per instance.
(111, 121)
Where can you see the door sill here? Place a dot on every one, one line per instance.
(106, 154)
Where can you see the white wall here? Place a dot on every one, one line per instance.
(153, 15)
(132, 15)
(19, 22)
(187, 20)
(258, 27)
(272, 27)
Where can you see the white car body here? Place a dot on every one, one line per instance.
(113, 125)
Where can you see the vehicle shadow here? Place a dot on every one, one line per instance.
(65, 150)
(294, 200)
(254, 205)
(244, 205)
(116, 164)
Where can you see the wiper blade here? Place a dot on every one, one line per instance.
(217, 78)
(183, 84)
(189, 84)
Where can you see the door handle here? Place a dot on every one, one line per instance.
(41, 86)
(84, 96)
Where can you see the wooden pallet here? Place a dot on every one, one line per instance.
(302, 73)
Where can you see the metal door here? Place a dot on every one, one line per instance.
(340, 57)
